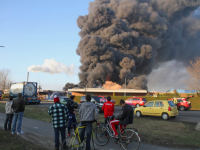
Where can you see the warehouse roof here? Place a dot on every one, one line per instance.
(107, 91)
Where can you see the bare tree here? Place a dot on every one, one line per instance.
(194, 72)
(5, 79)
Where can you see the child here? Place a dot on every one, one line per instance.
(9, 114)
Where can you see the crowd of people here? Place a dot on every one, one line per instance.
(61, 114)
(14, 108)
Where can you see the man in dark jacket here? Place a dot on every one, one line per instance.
(59, 115)
(18, 106)
(72, 117)
(125, 118)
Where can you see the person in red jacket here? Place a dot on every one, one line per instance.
(108, 108)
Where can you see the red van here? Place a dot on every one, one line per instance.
(182, 103)
(136, 101)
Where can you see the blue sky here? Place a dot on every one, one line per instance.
(34, 31)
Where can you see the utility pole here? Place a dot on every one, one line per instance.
(1, 46)
(27, 76)
(125, 88)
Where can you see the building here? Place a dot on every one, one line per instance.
(182, 91)
(96, 92)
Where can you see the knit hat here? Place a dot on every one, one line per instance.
(56, 99)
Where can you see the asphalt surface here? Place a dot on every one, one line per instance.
(45, 130)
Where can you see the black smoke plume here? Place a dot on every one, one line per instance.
(128, 38)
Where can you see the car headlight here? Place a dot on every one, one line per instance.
(101, 104)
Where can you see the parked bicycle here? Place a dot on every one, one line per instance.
(128, 139)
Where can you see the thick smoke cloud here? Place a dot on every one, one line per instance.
(53, 67)
(129, 38)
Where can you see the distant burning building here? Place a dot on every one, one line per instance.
(105, 92)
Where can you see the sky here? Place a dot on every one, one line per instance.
(35, 31)
(38, 33)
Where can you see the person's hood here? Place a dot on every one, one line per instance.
(88, 104)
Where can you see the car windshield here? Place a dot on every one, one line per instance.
(0, 93)
(66, 99)
(171, 103)
(144, 99)
(97, 99)
(186, 99)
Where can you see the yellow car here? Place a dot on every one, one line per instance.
(163, 108)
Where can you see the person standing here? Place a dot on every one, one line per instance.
(72, 117)
(9, 114)
(125, 118)
(175, 100)
(18, 107)
(108, 109)
(59, 113)
(88, 113)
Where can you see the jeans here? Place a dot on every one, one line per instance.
(88, 133)
(17, 120)
(72, 119)
(62, 132)
(8, 121)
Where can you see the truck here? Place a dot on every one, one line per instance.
(28, 90)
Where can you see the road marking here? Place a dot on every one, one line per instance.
(36, 127)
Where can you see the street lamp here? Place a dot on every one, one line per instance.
(125, 88)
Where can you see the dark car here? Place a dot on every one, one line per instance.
(96, 100)
(64, 100)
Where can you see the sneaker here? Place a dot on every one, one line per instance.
(116, 140)
(20, 133)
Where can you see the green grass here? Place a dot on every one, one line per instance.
(15, 142)
(152, 130)
(195, 102)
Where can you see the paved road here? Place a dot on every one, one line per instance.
(42, 133)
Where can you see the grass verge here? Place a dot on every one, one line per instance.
(15, 142)
(152, 130)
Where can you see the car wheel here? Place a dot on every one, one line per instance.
(173, 117)
(138, 114)
(165, 116)
(137, 105)
(182, 108)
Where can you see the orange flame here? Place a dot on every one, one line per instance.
(109, 85)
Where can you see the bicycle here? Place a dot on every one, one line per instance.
(128, 139)
(74, 142)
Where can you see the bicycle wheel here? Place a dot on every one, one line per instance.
(101, 136)
(93, 140)
(72, 142)
(129, 139)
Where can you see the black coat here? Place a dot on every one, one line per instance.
(126, 116)
(70, 106)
